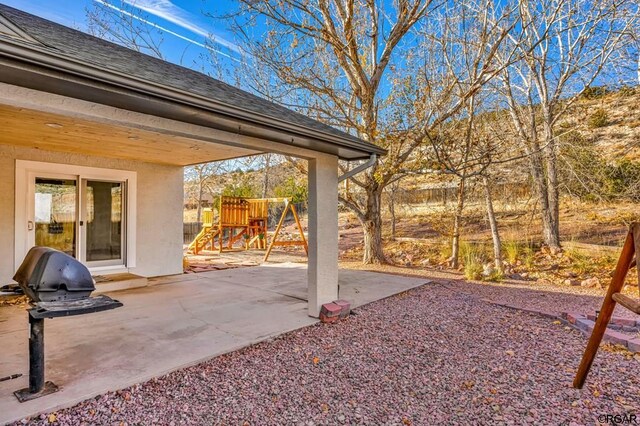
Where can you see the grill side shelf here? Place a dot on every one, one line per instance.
(66, 308)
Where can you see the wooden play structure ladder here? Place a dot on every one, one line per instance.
(206, 234)
(244, 218)
(629, 257)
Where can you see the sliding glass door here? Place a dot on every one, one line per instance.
(84, 218)
(56, 213)
(102, 222)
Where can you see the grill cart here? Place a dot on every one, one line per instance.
(58, 286)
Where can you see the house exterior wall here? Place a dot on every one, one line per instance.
(159, 208)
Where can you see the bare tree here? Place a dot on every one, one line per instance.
(347, 62)
(564, 46)
(392, 191)
(126, 25)
(201, 177)
(493, 223)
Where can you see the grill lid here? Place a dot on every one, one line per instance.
(45, 270)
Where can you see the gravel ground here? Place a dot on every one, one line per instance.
(527, 294)
(433, 355)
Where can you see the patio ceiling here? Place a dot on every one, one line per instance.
(54, 132)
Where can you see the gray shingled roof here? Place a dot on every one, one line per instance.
(110, 56)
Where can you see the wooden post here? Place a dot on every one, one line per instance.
(304, 240)
(606, 311)
(275, 234)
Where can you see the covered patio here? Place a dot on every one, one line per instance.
(82, 116)
(177, 321)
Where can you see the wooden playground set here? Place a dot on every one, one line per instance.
(246, 220)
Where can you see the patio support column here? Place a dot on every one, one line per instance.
(323, 232)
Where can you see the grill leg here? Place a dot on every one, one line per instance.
(37, 386)
(36, 355)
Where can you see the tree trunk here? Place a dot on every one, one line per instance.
(200, 193)
(372, 229)
(392, 209)
(392, 212)
(455, 243)
(265, 175)
(550, 229)
(493, 223)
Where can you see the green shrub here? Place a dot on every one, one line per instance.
(626, 91)
(528, 257)
(580, 262)
(496, 276)
(511, 250)
(473, 256)
(623, 180)
(291, 188)
(581, 173)
(514, 251)
(473, 270)
(595, 92)
(599, 118)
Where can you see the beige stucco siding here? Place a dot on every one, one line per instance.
(159, 208)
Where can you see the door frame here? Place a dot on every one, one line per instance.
(24, 169)
(82, 230)
(30, 194)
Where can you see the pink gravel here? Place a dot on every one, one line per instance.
(537, 296)
(433, 355)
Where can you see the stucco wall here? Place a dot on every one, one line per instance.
(159, 208)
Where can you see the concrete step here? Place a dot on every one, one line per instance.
(115, 282)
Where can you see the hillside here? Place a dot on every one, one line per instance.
(617, 136)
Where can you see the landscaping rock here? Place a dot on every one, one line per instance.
(330, 313)
(572, 317)
(488, 270)
(616, 337)
(572, 282)
(634, 345)
(590, 282)
(584, 325)
(626, 322)
(345, 308)
(433, 355)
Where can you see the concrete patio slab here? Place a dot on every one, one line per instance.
(175, 322)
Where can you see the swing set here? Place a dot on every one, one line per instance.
(244, 219)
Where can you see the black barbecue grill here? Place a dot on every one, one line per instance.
(58, 286)
(48, 275)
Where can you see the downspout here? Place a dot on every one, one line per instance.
(360, 168)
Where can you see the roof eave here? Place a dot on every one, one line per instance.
(36, 55)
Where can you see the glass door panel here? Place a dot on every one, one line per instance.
(103, 218)
(56, 213)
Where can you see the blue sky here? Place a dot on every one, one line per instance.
(185, 28)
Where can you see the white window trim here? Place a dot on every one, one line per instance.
(24, 168)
